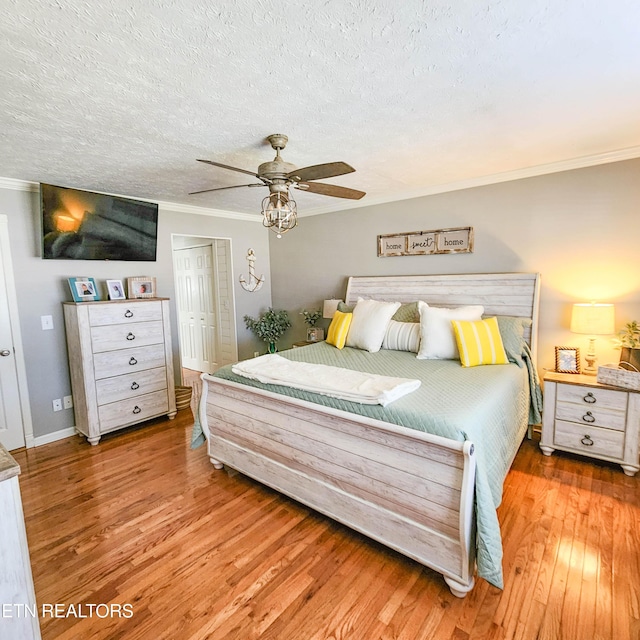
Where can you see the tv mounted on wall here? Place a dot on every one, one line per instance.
(81, 225)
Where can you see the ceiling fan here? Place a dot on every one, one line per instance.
(279, 210)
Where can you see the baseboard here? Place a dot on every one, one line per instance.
(56, 435)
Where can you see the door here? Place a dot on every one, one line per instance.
(12, 421)
(197, 308)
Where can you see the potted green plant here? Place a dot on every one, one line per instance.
(628, 342)
(314, 334)
(270, 326)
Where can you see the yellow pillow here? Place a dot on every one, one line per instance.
(479, 342)
(338, 329)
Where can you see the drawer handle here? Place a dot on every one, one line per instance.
(128, 313)
(587, 441)
(588, 417)
(135, 386)
(590, 398)
(137, 409)
(132, 361)
(130, 336)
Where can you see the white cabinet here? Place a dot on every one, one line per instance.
(19, 616)
(121, 363)
(583, 416)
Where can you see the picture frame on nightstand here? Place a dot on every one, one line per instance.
(567, 360)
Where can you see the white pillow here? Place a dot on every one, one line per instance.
(402, 336)
(437, 340)
(369, 324)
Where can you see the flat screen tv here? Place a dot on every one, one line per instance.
(81, 225)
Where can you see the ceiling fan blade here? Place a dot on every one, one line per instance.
(226, 166)
(330, 190)
(320, 171)
(235, 186)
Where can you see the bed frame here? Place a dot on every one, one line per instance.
(409, 490)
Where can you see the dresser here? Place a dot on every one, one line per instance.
(121, 363)
(583, 416)
(19, 615)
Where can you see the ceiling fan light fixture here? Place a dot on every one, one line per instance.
(279, 212)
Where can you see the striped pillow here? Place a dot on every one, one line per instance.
(479, 342)
(339, 328)
(402, 336)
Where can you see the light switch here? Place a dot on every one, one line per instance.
(47, 322)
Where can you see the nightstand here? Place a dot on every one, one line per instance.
(583, 416)
(302, 343)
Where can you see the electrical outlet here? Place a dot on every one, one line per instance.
(57, 404)
(256, 354)
(67, 402)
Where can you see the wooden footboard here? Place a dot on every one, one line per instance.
(411, 491)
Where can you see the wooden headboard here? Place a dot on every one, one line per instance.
(503, 294)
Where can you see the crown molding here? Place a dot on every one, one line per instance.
(25, 185)
(507, 176)
(17, 185)
(204, 211)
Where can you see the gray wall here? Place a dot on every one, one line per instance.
(578, 228)
(42, 286)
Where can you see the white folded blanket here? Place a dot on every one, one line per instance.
(346, 384)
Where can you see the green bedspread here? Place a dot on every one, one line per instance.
(488, 405)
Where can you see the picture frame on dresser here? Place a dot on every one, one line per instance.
(84, 289)
(567, 360)
(141, 287)
(116, 290)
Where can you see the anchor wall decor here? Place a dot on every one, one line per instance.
(254, 282)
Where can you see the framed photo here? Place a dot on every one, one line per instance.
(83, 289)
(567, 360)
(315, 334)
(115, 289)
(141, 287)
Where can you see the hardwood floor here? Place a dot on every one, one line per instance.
(143, 520)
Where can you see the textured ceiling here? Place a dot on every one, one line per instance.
(122, 96)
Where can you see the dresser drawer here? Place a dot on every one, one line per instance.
(120, 414)
(130, 385)
(592, 397)
(115, 363)
(588, 440)
(102, 314)
(113, 337)
(591, 415)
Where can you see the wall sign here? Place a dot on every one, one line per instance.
(422, 243)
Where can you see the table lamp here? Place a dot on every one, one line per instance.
(330, 307)
(594, 320)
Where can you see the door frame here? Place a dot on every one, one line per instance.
(233, 288)
(14, 320)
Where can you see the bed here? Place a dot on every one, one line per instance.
(423, 475)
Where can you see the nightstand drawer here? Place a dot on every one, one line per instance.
(592, 397)
(590, 441)
(591, 415)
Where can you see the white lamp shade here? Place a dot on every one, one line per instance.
(593, 319)
(329, 308)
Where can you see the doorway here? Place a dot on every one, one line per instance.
(205, 303)
(16, 429)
